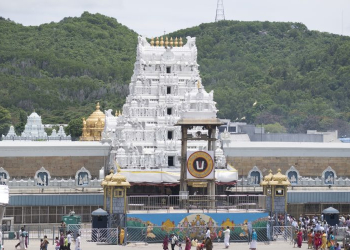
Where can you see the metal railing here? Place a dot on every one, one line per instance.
(239, 233)
(202, 202)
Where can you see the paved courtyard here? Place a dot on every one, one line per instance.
(34, 245)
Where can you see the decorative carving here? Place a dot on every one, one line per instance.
(42, 178)
(254, 176)
(82, 177)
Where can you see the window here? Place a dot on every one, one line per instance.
(170, 135)
(168, 90)
(170, 161)
(169, 111)
(168, 70)
(232, 129)
(118, 192)
(279, 192)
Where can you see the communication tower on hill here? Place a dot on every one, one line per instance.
(220, 14)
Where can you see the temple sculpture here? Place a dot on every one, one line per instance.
(93, 125)
(165, 86)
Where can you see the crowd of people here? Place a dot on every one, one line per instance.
(61, 243)
(200, 245)
(206, 243)
(316, 232)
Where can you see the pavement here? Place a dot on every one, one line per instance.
(34, 245)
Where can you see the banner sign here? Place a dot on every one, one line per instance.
(200, 165)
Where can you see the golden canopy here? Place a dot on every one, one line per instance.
(276, 179)
(93, 126)
(117, 180)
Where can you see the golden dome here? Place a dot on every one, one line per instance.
(93, 126)
(279, 177)
(117, 180)
(95, 115)
(276, 179)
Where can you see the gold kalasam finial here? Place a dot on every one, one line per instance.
(270, 171)
(161, 41)
(175, 43)
(279, 170)
(181, 42)
(98, 106)
(166, 42)
(171, 42)
(152, 41)
(198, 84)
(116, 113)
(157, 42)
(120, 113)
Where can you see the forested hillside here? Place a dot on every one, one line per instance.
(299, 78)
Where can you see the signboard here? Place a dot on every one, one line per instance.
(200, 165)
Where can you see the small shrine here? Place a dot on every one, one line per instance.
(34, 127)
(275, 188)
(114, 202)
(93, 126)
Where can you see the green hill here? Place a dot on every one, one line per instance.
(299, 78)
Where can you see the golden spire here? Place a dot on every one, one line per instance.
(98, 106)
(116, 113)
(171, 42)
(181, 43)
(175, 43)
(161, 42)
(198, 84)
(166, 42)
(157, 42)
(152, 41)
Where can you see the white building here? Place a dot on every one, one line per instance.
(165, 85)
(35, 130)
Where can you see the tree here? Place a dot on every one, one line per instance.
(75, 128)
(5, 121)
(19, 128)
(275, 128)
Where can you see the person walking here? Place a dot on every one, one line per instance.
(227, 233)
(207, 234)
(165, 243)
(188, 244)
(174, 241)
(44, 243)
(69, 238)
(300, 238)
(77, 242)
(19, 238)
(62, 241)
(254, 240)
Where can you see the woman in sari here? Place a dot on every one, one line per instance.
(254, 240)
(331, 239)
(165, 243)
(309, 239)
(188, 244)
(317, 240)
(300, 238)
(324, 241)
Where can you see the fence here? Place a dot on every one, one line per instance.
(153, 234)
(203, 202)
(282, 233)
(150, 234)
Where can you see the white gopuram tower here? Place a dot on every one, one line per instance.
(144, 137)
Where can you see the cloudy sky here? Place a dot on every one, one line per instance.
(153, 17)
